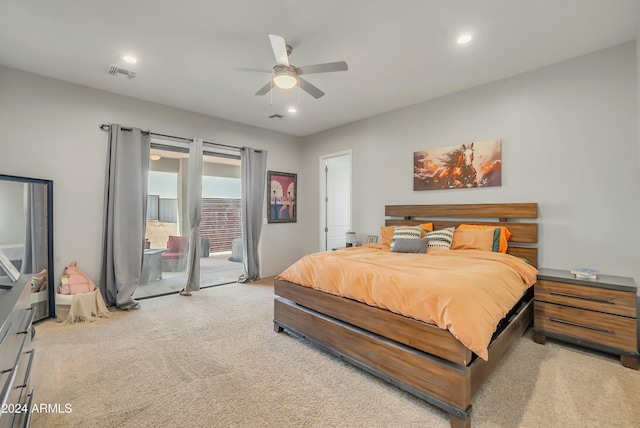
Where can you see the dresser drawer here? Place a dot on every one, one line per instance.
(10, 347)
(592, 298)
(17, 335)
(610, 330)
(13, 354)
(16, 405)
(23, 419)
(16, 355)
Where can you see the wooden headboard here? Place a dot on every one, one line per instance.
(523, 242)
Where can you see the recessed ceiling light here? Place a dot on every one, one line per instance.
(292, 110)
(464, 39)
(130, 59)
(155, 157)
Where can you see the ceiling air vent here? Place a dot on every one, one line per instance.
(276, 116)
(114, 71)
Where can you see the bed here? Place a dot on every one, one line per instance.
(418, 357)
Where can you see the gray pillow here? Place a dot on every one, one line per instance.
(410, 245)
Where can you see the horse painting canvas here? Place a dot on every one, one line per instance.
(475, 164)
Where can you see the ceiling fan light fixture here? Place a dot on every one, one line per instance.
(464, 39)
(286, 76)
(285, 79)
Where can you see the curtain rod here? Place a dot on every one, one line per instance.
(105, 127)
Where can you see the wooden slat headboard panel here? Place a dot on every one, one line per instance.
(499, 211)
(521, 244)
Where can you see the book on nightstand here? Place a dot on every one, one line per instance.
(585, 273)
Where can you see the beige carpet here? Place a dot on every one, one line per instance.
(213, 360)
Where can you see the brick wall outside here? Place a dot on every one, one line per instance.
(220, 222)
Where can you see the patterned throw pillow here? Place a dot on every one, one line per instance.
(440, 239)
(406, 232)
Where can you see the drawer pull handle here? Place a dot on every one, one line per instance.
(575, 324)
(29, 406)
(29, 323)
(27, 375)
(593, 299)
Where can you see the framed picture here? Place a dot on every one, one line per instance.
(475, 164)
(8, 267)
(282, 197)
(372, 239)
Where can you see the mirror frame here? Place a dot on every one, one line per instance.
(50, 267)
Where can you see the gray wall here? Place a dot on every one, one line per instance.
(569, 134)
(49, 129)
(569, 142)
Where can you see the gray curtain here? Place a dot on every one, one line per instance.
(194, 208)
(253, 172)
(125, 215)
(35, 244)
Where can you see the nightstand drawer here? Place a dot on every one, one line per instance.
(592, 298)
(605, 329)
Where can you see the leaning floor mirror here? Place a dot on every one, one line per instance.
(26, 238)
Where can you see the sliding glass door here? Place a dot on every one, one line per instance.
(221, 222)
(164, 269)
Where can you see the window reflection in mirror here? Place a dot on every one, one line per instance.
(24, 237)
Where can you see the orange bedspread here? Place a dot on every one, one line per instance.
(466, 292)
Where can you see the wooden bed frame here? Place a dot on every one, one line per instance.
(417, 357)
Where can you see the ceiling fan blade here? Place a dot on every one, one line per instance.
(279, 49)
(308, 87)
(265, 89)
(323, 68)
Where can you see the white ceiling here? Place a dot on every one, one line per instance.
(399, 52)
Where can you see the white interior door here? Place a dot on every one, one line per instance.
(335, 173)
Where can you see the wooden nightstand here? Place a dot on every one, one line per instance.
(597, 313)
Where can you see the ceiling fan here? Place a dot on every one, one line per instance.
(287, 76)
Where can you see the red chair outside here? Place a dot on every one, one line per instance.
(175, 258)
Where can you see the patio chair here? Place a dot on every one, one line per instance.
(175, 258)
(236, 250)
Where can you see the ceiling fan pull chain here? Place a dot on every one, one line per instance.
(271, 93)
